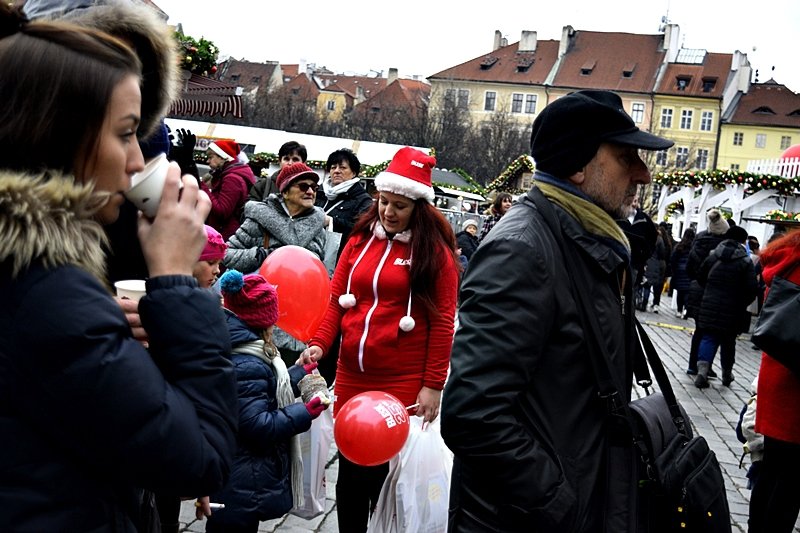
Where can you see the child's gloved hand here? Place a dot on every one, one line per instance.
(315, 406)
(310, 367)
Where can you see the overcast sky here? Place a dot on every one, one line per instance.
(425, 37)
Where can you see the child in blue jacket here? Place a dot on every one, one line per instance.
(266, 479)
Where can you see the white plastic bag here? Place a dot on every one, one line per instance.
(315, 445)
(415, 496)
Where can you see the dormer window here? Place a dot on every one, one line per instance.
(255, 79)
(682, 82)
(234, 77)
(709, 84)
(524, 62)
(627, 70)
(488, 61)
(763, 110)
(588, 67)
(795, 113)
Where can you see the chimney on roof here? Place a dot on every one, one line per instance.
(527, 42)
(498, 39)
(360, 94)
(392, 75)
(672, 42)
(301, 68)
(567, 32)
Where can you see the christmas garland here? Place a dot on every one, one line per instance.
(777, 214)
(720, 178)
(523, 163)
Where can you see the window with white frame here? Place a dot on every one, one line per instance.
(681, 156)
(463, 99)
(761, 140)
(686, 119)
(666, 118)
(516, 103)
(637, 112)
(786, 142)
(661, 158)
(738, 138)
(735, 167)
(706, 120)
(450, 96)
(701, 162)
(530, 104)
(331, 105)
(489, 101)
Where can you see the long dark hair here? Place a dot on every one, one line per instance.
(430, 233)
(686, 241)
(56, 83)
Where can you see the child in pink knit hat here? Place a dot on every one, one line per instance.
(206, 269)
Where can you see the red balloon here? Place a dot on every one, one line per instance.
(791, 152)
(303, 287)
(371, 428)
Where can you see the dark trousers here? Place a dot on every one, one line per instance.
(774, 503)
(169, 509)
(357, 491)
(680, 300)
(657, 290)
(697, 336)
(726, 342)
(214, 527)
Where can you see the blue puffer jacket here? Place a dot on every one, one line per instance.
(260, 482)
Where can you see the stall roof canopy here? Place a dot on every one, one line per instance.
(456, 192)
(204, 97)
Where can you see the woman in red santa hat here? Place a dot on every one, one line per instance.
(231, 178)
(393, 303)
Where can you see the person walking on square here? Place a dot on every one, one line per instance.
(729, 285)
(680, 277)
(655, 271)
(774, 504)
(228, 185)
(502, 203)
(393, 300)
(521, 410)
(703, 244)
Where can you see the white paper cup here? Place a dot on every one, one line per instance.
(132, 289)
(147, 185)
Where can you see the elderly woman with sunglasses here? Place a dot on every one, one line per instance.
(286, 218)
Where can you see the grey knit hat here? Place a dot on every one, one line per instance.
(716, 222)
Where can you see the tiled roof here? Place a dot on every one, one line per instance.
(709, 72)
(350, 84)
(413, 95)
(245, 74)
(302, 87)
(770, 104)
(506, 65)
(611, 60)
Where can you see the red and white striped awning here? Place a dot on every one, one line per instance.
(206, 97)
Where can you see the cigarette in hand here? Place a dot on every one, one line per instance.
(211, 505)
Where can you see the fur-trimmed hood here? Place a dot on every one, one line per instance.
(49, 221)
(141, 26)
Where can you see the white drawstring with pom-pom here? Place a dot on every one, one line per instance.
(348, 300)
(407, 323)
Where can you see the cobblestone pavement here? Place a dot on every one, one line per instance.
(714, 413)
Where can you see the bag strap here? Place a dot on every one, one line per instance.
(598, 355)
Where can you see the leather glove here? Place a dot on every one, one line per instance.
(261, 254)
(315, 407)
(187, 140)
(309, 367)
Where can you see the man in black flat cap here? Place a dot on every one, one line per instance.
(521, 409)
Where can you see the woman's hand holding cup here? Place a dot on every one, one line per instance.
(174, 239)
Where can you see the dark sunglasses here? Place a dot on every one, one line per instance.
(305, 186)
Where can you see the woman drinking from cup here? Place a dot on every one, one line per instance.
(88, 416)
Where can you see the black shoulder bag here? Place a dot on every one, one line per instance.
(676, 484)
(776, 330)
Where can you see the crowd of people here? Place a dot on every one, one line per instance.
(114, 411)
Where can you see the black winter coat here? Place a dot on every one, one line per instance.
(680, 277)
(520, 409)
(467, 242)
(345, 209)
(729, 282)
(702, 246)
(260, 483)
